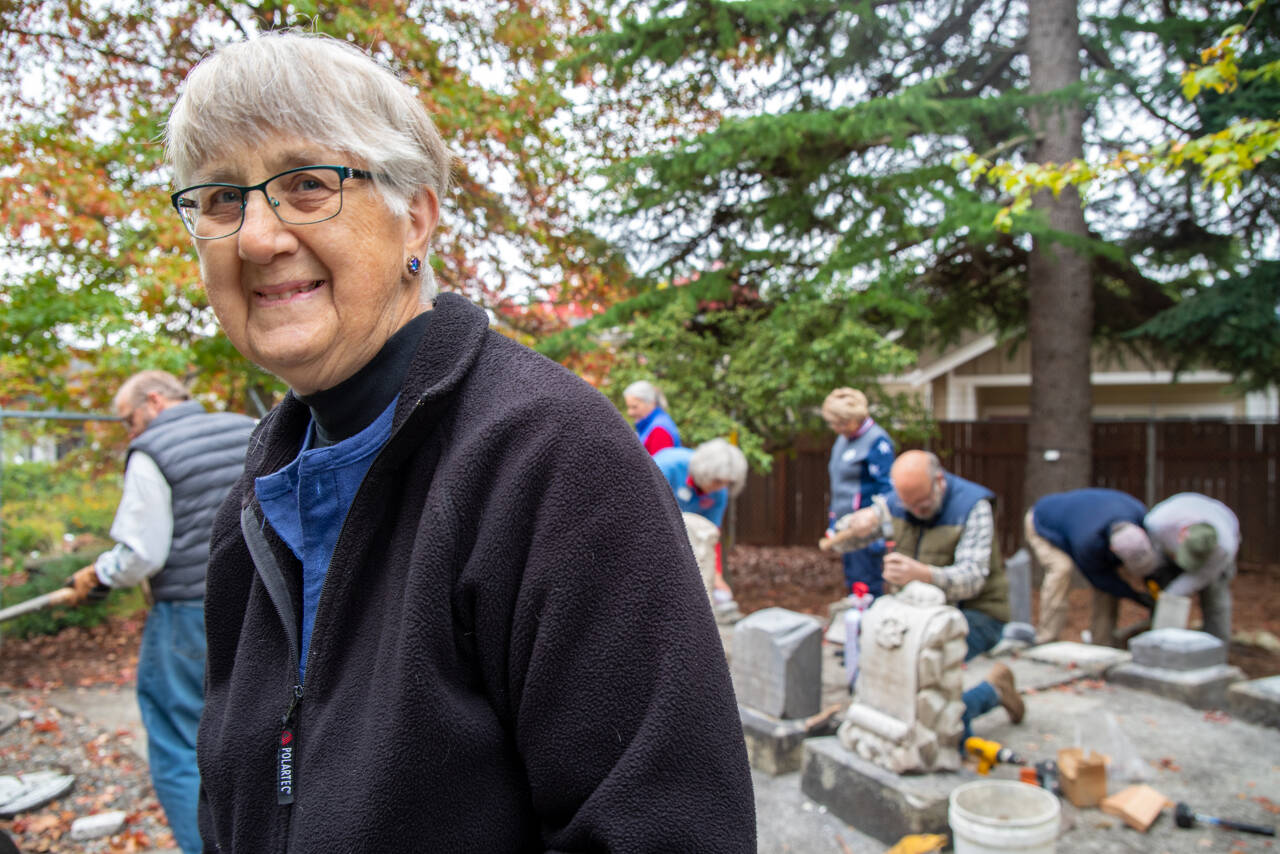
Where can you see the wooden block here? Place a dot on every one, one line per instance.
(1083, 778)
(1139, 806)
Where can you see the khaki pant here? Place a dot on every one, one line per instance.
(1058, 567)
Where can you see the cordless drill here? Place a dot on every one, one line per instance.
(989, 753)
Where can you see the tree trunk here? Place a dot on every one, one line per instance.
(1060, 320)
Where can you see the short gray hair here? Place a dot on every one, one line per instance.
(646, 391)
(321, 89)
(135, 389)
(716, 459)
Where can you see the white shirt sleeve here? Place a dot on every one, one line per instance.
(142, 528)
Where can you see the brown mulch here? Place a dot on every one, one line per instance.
(803, 578)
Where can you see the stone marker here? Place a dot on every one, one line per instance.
(906, 712)
(777, 663)
(1180, 664)
(93, 826)
(1256, 701)
(1078, 656)
(703, 536)
(1171, 612)
(1178, 649)
(1018, 570)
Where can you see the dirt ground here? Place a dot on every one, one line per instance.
(806, 579)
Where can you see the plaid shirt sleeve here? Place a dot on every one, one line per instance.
(966, 577)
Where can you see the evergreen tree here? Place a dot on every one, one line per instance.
(829, 179)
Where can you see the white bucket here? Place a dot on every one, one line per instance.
(990, 816)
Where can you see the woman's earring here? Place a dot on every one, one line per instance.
(414, 265)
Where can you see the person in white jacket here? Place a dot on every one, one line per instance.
(1201, 536)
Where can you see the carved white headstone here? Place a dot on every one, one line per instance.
(906, 712)
(777, 663)
(703, 536)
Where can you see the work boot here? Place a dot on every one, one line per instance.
(1001, 678)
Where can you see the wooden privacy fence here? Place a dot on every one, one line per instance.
(1231, 461)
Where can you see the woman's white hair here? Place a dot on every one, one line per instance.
(315, 87)
(716, 459)
(646, 391)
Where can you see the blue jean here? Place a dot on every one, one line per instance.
(984, 633)
(978, 700)
(171, 697)
(865, 565)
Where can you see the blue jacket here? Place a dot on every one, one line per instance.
(674, 463)
(657, 418)
(1079, 523)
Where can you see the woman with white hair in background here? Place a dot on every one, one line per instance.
(702, 480)
(861, 458)
(647, 407)
(416, 639)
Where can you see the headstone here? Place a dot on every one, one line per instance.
(703, 536)
(1180, 664)
(1178, 649)
(1256, 701)
(1171, 612)
(1018, 570)
(777, 663)
(906, 713)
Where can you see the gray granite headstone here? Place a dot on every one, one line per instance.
(1018, 570)
(1177, 649)
(777, 663)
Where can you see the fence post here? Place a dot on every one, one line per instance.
(1150, 488)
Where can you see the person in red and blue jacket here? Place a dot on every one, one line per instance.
(702, 481)
(647, 407)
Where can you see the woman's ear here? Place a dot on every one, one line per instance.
(424, 213)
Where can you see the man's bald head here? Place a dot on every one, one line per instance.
(918, 479)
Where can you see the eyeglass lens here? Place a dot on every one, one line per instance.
(297, 197)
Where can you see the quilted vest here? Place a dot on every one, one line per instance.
(934, 541)
(200, 454)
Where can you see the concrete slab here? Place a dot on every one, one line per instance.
(1077, 656)
(877, 802)
(774, 746)
(1205, 688)
(1256, 701)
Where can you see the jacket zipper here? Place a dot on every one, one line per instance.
(287, 747)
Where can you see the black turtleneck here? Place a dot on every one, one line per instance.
(352, 405)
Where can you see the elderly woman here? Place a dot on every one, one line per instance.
(859, 468)
(702, 480)
(417, 640)
(647, 407)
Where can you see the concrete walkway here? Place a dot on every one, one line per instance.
(1218, 765)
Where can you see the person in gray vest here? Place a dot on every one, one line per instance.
(181, 463)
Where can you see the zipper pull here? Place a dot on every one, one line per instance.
(286, 779)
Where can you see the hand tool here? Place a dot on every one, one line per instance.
(990, 753)
(1185, 817)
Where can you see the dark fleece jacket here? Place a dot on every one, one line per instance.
(513, 650)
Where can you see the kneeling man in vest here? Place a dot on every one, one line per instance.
(182, 462)
(944, 535)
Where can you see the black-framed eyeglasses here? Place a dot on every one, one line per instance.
(301, 196)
